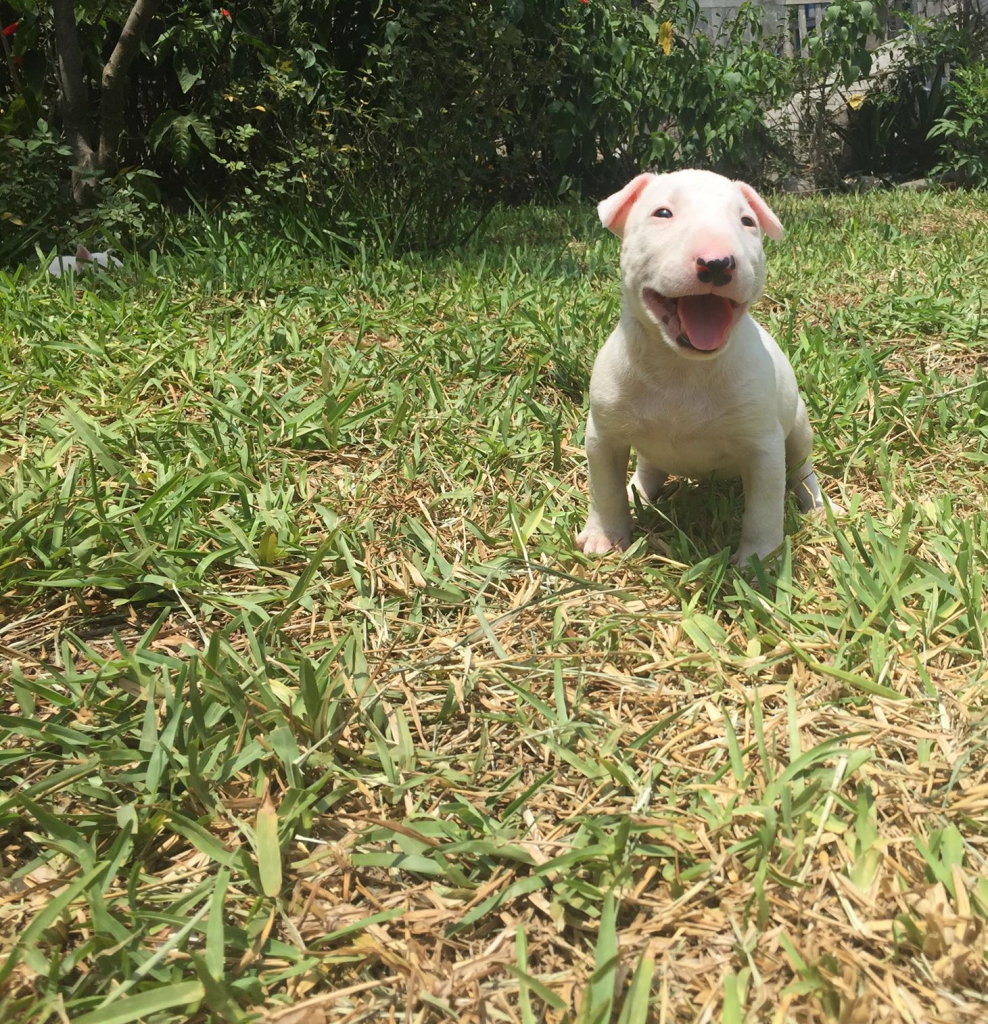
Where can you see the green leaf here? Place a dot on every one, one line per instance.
(135, 1008)
(215, 958)
(89, 433)
(734, 990)
(521, 960)
(600, 994)
(161, 128)
(527, 981)
(705, 632)
(635, 1007)
(202, 840)
(187, 77)
(204, 132)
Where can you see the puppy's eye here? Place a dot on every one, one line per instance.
(748, 222)
(662, 211)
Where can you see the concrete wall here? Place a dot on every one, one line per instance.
(777, 13)
(715, 12)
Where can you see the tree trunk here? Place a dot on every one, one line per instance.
(74, 102)
(89, 157)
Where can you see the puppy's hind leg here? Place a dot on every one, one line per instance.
(647, 480)
(799, 466)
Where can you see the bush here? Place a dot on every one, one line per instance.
(29, 166)
(890, 132)
(887, 134)
(404, 116)
(963, 130)
(463, 105)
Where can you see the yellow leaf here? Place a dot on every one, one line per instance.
(855, 99)
(665, 37)
(261, 108)
(267, 548)
(268, 850)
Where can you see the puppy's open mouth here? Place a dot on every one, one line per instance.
(699, 322)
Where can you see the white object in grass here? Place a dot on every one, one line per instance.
(83, 260)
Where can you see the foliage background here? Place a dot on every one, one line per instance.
(402, 114)
(410, 120)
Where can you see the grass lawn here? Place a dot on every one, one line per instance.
(312, 713)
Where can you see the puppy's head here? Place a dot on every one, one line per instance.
(691, 254)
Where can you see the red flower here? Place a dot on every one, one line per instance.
(12, 28)
(226, 13)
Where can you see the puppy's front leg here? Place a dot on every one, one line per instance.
(764, 479)
(609, 523)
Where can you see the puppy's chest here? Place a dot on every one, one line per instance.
(689, 434)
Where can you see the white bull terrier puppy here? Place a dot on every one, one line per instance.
(688, 379)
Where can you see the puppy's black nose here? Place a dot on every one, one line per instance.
(715, 271)
(724, 263)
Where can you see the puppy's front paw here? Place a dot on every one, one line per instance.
(592, 540)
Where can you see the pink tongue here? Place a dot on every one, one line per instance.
(707, 320)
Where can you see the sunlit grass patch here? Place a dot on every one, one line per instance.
(311, 706)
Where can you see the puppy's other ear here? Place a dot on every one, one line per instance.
(613, 211)
(82, 254)
(767, 220)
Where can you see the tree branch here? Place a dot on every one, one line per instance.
(113, 97)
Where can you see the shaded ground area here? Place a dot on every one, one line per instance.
(312, 713)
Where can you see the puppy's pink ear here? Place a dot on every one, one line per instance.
(767, 220)
(83, 254)
(613, 211)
